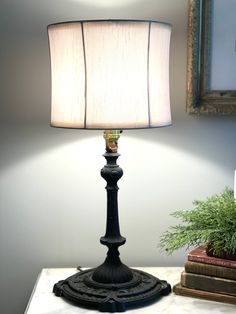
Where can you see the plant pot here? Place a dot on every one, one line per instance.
(225, 255)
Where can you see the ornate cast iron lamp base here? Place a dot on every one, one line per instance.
(112, 286)
(141, 290)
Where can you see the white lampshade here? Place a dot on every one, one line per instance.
(110, 74)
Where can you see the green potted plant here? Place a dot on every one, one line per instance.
(211, 223)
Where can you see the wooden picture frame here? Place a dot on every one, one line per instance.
(200, 97)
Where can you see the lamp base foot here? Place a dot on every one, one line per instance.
(141, 290)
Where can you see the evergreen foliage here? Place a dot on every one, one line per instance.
(211, 223)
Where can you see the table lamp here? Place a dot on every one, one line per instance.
(110, 75)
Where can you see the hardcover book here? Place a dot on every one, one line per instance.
(199, 255)
(187, 292)
(210, 270)
(207, 283)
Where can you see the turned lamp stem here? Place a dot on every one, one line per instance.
(112, 271)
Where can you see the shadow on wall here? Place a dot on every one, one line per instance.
(205, 137)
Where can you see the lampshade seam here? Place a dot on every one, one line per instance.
(85, 77)
(148, 56)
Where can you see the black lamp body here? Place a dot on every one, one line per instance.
(112, 286)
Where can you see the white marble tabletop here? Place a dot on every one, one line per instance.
(43, 301)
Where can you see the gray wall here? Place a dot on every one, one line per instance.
(52, 198)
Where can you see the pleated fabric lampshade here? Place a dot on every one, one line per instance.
(111, 74)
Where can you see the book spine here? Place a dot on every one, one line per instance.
(211, 260)
(180, 290)
(207, 283)
(210, 270)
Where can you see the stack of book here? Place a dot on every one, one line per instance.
(208, 277)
